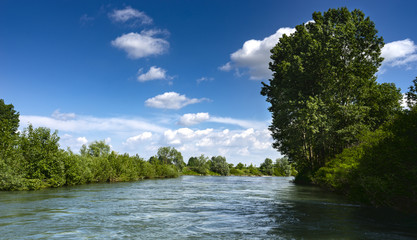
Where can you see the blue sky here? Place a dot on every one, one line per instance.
(187, 74)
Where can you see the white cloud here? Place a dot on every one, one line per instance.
(171, 100)
(255, 55)
(190, 119)
(237, 145)
(139, 45)
(239, 122)
(62, 116)
(139, 138)
(130, 14)
(205, 79)
(227, 67)
(87, 124)
(399, 53)
(71, 141)
(82, 140)
(154, 73)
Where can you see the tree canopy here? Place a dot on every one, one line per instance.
(323, 92)
(9, 122)
(170, 155)
(219, 165)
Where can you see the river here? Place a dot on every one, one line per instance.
(192, 207)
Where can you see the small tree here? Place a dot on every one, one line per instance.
(282, 167)
(96, 149)
(198, 164)
(267, 167)
(220, 166)
(44, 159)
(170, 155)
(240, 166)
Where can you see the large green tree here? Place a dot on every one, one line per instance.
(9, 122)
(324, 91)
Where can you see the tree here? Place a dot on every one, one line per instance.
(96, 149)
(411, 95)
(9, 122)
(198, 164)
(240, 166)
(220, 166)
(282, 167)
(170, 155)
(43, 158)
(324, 92)
(267, 167)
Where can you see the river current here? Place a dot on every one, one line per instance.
(193, 207)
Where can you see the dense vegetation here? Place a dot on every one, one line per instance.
(341, 128)
(33, 160)
(382, 169)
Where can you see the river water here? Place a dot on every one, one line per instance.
(192, 207)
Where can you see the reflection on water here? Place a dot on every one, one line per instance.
(195, 207)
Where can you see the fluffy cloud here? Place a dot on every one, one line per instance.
(171, 100)
(62, 116)
(190, 119)
(139, 138)
(82, 140)
(139, 45)
(154, 73)
(227, 67)
(255, 55)
(87, 124)
(234, 144)
(399, 53)
(130, 14)
(72, 141)
(239, 122)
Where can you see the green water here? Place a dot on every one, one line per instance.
(193, 207)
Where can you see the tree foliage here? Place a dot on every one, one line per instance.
(96, 149)
(283, 167)
(170, 155)
(382, 169)
(267, 167)
(219, 165)
(324, 91)
(199, 164)
(411, 95)
(9, 122)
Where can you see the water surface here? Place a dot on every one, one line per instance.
(192, 207)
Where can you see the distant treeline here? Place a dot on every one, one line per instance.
(202, 165)
(33, 160)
